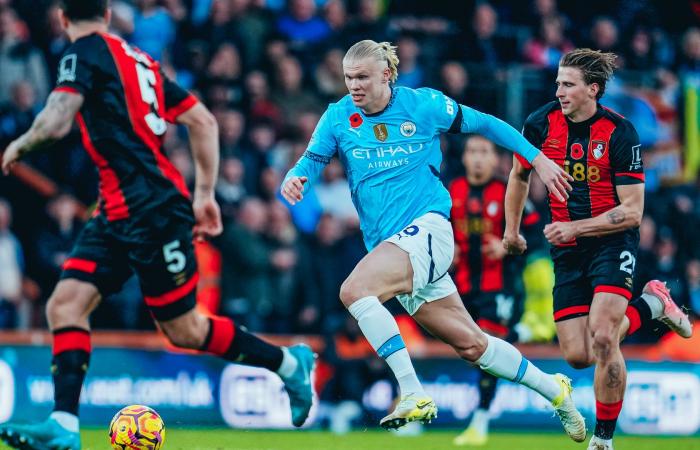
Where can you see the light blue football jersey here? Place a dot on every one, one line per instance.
(392, 158)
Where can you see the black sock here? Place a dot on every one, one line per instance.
(249, 349)
(487, 390)
(638, 313)
(606, 415)
(604, 429)
(68, 369)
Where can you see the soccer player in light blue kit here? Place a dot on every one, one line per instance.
(388, 140)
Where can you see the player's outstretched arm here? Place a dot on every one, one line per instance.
(516, 196)
(628, 214)
(50, 125)
(553, 176)
(204, 140)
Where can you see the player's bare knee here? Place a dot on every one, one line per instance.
(579, 360)
(604, 341)
(185, 338)
(350, 291)
(62, 308)
(472, 347)
(187, 332)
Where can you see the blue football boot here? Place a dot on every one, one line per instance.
(47, 435)
(298, 385)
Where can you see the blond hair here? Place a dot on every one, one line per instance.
(596, 66)
(379, 51)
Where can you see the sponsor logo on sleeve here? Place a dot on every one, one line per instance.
(66, 68)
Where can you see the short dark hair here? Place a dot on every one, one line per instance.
(596, 66)
(76, 10)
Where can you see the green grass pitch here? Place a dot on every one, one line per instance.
(224, 439)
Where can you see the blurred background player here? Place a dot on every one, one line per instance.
(388, 139)
(595, 233)
(487, 279)
(144, 224)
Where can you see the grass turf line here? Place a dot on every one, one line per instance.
(226, 439)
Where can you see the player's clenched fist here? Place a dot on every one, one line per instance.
(292, 189)
(515, 244)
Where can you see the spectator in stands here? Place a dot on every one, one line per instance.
(640, 54)
(368, 23)
(55, 241)
(230, 190)
(411, 73)
(645, 268)
(231, 128)
(122, 22)
(19, 59)
(223, 77)
(17, 116)
(538, 10)
(605, 35)
(483, 44)
(219, 27)
(182, 160)
(692, 271)
(304, 124)
(668, 264)
(302, 26)
(11, 270)
(330, 81)
(689, 62)
(57, 42)
(336, 16)
(252, 24)
(455, 82)
(246, 288)
(333, 194)
(259, 105)
(255, 267)
(549, 46)
(290, 265)
(258, 157)
(291, 97)
(154, 28)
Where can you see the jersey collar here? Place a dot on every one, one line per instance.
(388, 105)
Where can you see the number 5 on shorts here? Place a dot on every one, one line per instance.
(174, 257)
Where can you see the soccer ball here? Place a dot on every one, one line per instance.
(136, 427)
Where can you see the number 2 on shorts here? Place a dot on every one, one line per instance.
(628, 262)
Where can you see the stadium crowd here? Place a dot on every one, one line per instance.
(268, 68)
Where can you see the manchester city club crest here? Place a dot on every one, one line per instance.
(380, 131)
(408, 128)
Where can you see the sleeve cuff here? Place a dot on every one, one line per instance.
(69, 89)
(629, 178)
(172, 113)
(524, 162)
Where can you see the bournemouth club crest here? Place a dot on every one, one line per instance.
(598, 149)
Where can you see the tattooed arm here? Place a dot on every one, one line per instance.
(628, 214)
(51, 124)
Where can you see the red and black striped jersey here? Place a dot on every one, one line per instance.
(477, 217)
(599, 153)
(122, 121)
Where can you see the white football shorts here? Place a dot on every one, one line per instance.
(429, 242)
